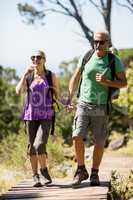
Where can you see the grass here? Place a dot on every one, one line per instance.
(9, 177)
(121, 187)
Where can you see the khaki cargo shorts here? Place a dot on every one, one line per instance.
(91, 117)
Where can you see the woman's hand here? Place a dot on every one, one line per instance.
(30, 69)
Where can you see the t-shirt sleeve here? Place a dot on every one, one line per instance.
(119, 66)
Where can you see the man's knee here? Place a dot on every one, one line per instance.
(99, 145)
(77, 139)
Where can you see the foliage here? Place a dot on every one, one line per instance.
(64, 118)
(122, 116)
(121, 187)
(125, 53)
(9, 111)
(55, 153)
(15, 152)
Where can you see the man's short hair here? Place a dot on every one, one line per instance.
(105, 33)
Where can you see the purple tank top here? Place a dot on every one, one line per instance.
(38, 104)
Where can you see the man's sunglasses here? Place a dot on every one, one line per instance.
(101, 42)
(37, 57)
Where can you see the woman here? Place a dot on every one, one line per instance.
(38, 112)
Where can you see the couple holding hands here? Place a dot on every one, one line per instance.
(42, 85)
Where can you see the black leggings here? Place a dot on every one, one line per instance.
(38, 133)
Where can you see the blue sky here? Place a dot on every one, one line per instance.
(59, 38)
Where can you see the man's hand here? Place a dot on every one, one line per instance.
(101, 79)
(69, 106)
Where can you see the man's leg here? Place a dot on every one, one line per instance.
(97, 156)
(99, 129)
(81, 172)
(79, 150)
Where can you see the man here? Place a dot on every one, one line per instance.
(92, 105)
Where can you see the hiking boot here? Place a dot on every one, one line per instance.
(46, 175)
(36, 180)
(80, 175)
(94, 179)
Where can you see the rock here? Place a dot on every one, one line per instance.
(118, 143)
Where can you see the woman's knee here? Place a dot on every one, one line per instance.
(31, 150)
(40, 148)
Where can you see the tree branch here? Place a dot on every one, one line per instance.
(96, 6)
(129, 7)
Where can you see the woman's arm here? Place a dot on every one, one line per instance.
(55, 85)
(21, 85)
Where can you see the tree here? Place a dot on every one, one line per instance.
(9, 102)
(126, 3)
(72, 8)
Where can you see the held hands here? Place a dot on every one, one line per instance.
(69, 106)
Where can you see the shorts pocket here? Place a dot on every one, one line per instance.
(74, 123)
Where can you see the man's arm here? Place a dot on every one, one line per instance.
(74, 81)
(119, 83)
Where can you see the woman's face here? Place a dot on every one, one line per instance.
(38, 59)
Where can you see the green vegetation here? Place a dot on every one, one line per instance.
(121, 187)
(9, 109)
(125, 53)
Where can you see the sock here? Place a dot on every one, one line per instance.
(81, 166)
(94, 170)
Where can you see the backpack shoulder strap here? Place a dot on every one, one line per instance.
(50, 83)
(86, 58)
(49, 78)
(111, 58)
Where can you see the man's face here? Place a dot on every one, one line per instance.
(100, 44)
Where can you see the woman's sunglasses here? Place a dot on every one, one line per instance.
(36, 57)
